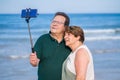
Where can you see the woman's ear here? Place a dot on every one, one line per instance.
(78, 37)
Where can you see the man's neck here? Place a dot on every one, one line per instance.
(58, 37)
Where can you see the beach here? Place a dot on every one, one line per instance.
(102, 36)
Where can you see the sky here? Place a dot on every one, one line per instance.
(69, 6)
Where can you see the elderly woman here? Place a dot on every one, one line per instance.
(79, 64)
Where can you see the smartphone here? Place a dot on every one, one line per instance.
(29, 13)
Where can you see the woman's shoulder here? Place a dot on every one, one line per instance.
(82, 53)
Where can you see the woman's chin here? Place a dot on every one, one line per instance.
(66, 44)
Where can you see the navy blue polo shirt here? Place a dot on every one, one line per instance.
(52, 55)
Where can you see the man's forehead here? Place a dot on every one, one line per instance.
(59, 17)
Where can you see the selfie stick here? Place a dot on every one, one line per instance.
(29, 13)
(31, 42)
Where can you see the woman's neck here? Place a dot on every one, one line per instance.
(76, 45)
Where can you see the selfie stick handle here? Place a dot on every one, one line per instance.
(31, 42)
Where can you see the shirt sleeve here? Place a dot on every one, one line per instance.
(38, 48)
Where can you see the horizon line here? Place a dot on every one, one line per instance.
(73, 13)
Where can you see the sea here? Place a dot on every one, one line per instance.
(102, 36)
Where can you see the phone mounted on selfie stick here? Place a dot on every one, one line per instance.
(27, 14)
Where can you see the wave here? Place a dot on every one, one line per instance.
(14, 57)
(18, 56)
(46, 30)
(106, 51)
(102, 30)
(102, 38)
(23, 30)
(17, 37)
(96, 51)
(86, 38)
(90, 34)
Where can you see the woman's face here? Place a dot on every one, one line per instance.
(70, 39)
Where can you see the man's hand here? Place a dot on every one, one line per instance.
(33, 59)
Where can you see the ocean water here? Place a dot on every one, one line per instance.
(102, 36)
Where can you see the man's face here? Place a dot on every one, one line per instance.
(57, 25)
